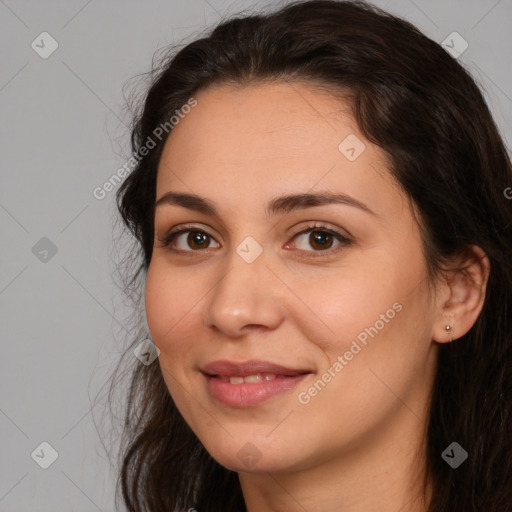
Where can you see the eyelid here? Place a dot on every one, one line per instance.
(323, 226)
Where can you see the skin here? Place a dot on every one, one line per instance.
(359, 443)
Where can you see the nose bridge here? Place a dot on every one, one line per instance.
(245, 293)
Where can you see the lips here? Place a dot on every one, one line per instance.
(247, 384)
(250, 368)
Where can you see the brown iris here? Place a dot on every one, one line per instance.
(198, 239)
(318, 239)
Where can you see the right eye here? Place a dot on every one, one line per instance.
(195, 241)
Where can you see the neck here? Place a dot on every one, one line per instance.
(384, 473)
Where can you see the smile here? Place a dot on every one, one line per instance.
(249, 383)
(242, 392)
(258, 377)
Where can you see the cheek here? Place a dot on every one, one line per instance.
(380, 343)
(170, 305)
(381, 304)
(170, 314)
(342, 304)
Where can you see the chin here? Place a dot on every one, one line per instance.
(247, 454)
(261, 465)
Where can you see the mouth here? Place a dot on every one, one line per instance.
(252, 379)
(250, 383)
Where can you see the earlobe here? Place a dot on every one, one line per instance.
(449, 330)
(463, 296)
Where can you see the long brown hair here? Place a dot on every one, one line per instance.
(418, 104)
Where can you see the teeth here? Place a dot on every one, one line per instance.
(253, 378)
(258, 377)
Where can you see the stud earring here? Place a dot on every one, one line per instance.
(449, 329)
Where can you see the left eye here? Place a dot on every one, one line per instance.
(321, 239)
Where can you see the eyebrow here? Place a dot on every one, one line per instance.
(281, 204)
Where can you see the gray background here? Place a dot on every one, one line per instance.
(63, 133)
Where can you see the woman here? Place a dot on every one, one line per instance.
(325, 249)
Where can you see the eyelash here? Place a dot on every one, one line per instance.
(344, 241)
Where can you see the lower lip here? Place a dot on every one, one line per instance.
(250, 394)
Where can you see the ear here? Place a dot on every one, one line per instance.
(461, 295)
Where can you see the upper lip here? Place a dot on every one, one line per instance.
(245, 368)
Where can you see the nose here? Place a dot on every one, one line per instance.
(247, 296)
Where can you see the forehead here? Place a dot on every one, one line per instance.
(259, 139)
(265, 119)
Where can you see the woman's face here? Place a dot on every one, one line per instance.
(331, 287)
